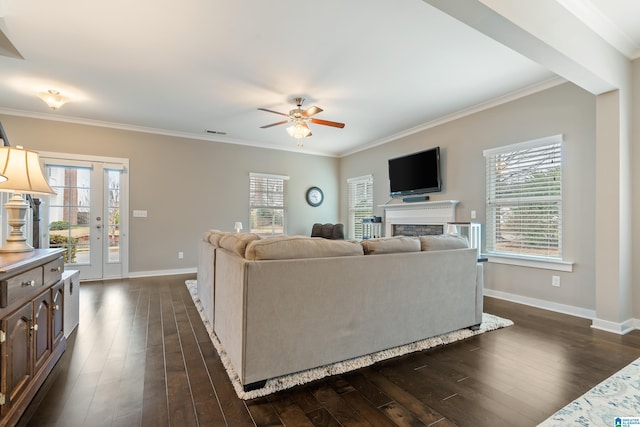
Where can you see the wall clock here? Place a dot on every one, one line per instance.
(315, 196)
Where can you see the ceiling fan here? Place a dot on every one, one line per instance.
(299, 118)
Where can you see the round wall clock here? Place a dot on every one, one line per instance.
(315, 196)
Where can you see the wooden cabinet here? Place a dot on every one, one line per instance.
(31, 326)
(16, 355)
(41, 330)
(57, 314)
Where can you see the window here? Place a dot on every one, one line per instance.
(268, 203)
(360, 203)
(524, 199)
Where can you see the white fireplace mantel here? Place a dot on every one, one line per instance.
(420, 213)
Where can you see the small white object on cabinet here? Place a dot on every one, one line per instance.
(71, 300)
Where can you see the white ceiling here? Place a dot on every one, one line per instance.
(383, 67)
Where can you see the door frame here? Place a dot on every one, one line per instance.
(116, 163)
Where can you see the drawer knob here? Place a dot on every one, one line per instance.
(56, 307)
(34, 327)
(29, 283)
(56, 269)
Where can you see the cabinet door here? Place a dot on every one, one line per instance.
(16, 355)
(41, 330)
(57, 317)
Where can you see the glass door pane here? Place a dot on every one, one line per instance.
(113, 209)
(70, 212)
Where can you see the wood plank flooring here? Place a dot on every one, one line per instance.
(141, 357)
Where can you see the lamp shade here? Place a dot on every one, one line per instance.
(23, 172)
(452, 229)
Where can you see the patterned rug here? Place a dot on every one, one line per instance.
(615, 402)
(489, 323)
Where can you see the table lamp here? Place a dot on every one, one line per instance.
(238, 226)
(24, 176)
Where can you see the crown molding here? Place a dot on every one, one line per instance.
(521, 93)
(155, 131)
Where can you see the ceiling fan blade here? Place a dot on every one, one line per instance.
(274, 124)
(311, 111)
(327, 123)
(274, 112)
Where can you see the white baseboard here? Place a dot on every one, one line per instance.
(539, 303)
(603, 325)
(136, 274)
(617, 328)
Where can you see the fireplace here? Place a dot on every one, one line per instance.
(418, 219)
(416, 229)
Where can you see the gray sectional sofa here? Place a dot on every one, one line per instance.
(286, 304)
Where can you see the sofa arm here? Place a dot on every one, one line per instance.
(206, 277)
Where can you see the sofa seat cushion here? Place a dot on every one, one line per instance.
(298, 247)
(390, 245)
(237, 242)
(443, 242)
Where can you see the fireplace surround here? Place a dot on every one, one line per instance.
(418, 218)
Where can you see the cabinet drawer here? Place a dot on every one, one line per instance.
(53, 271)
(20, 286)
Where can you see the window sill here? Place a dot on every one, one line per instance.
(544, 263)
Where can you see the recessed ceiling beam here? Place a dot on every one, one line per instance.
(7, 48)
(547, 33)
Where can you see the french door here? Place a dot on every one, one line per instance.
(88, 215)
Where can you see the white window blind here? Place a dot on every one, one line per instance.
(524, 198)
(360, 203)
(268, 203)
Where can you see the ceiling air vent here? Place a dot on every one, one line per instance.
(215, 132)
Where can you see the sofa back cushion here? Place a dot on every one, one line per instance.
(237, 242)
(390, 245)
(297, 247)
(214, 236)
(208, 233)
(443, 242)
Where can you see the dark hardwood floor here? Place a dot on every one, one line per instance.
(141, 357)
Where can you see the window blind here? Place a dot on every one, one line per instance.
(524, 198)
(360, 203)
(268, 203)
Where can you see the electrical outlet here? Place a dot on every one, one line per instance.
(555, 281)
(473, 214)
(180, 255)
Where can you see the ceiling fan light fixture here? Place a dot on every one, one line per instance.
(299, 130)
(298, 118)
(53, 98)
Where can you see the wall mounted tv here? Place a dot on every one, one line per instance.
(416, 173)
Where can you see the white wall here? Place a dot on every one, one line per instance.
(187, 186)
(565, 109)
(635, 138)
(205, 184)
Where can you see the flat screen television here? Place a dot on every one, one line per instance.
(416, 173)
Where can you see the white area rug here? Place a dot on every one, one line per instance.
(489, 323)
(615, 402)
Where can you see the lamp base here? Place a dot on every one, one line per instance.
(16, 212)
(14, 247)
